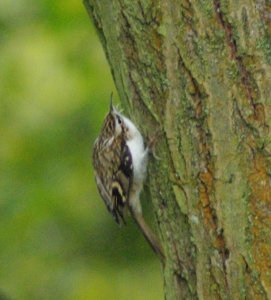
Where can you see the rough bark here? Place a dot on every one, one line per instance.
(201, 71)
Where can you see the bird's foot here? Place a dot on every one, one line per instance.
(152, 141)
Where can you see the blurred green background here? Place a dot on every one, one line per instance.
(57, 240)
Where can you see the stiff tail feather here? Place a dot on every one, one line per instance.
(148, 234)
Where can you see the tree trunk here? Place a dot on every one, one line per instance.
(201, 72)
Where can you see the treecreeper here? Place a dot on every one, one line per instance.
(120, 163)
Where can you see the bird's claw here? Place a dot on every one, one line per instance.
(152, 142)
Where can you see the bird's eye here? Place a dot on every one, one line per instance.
(119, 120)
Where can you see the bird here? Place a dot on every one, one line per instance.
(120, 161)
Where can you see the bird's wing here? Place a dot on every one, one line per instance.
(104, 193)
(111, 202)
(121, 183)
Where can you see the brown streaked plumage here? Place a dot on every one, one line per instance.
(113, 166)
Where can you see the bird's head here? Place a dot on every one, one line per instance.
(114, 122)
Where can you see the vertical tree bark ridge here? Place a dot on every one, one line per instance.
(201, 70)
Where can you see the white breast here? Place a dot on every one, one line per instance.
(138, 152)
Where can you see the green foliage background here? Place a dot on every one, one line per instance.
(57, 241)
